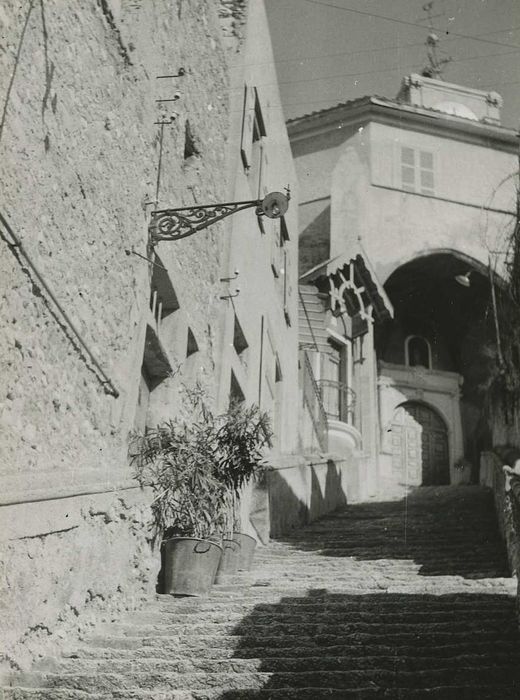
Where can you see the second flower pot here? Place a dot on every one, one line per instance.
(229, 560)
(247, 550)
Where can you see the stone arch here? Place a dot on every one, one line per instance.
(468, 260)
(431, 300)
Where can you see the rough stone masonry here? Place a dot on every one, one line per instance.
(83, 160)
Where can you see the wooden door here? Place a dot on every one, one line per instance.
(419, 445)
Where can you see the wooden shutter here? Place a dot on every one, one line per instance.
(263, 187)
(248, 120)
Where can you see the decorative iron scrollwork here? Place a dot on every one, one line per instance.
(174, 224)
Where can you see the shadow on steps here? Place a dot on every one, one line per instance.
(330, 645)
(445, 530)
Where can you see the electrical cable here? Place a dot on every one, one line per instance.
(400, 67)
(408, 23)
(386, 70)
(360, 51)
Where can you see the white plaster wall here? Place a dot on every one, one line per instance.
(249, 250)
(396, 226)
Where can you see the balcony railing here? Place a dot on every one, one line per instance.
(313, 402)
(338, 400)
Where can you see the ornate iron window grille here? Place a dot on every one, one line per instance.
(338, 400)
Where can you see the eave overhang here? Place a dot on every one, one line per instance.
(403, 116)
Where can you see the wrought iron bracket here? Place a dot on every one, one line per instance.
(174, 224)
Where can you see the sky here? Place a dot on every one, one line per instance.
(330, 51)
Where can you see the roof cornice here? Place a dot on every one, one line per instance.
(366, 109)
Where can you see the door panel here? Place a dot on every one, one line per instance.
(419, 445)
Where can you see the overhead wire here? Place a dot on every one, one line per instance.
(408, 23)
(339, 75)
(361, 51)
(312, 57)
(379, 71)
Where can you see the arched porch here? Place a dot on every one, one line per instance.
(438, 351)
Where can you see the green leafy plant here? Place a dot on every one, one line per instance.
(241, 436)
(198, 467)
(176, 460)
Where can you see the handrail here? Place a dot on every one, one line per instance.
(338, 400)
(313, 401)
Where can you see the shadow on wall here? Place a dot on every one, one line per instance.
(391, 644)
(301, 494)
(456, 537)
(314, 242)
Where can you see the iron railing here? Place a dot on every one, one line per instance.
(313, 402)
(338, 400)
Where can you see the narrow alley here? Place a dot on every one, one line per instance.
(400, 599)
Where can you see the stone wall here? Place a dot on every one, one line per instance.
(83, 160)
(507, 505)
(67, 563)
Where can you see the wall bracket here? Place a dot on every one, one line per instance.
(174, 224)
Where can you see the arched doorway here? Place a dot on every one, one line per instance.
(420, 452)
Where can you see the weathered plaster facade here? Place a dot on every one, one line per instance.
(425, 184)
(259, 358)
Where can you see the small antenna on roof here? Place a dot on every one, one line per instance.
(436, 65)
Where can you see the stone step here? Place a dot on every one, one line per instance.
(48, 694)
(326, 638)
(324, 601)
(375, 541)
(251, 627)
(345, 680)
(318, 663)
(179, 651)
(448, 692)
(317, 616)
(440, 585)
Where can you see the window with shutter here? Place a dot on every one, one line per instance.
(248, 122)
(417, 170)
(253, 131)
(408, 169)
(426, 172)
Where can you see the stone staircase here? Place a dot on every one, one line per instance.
(408, 599)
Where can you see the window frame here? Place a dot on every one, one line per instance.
(416, 169)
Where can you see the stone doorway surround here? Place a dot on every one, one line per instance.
(438, 389)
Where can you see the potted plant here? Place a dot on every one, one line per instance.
(176, 460)
(197, 469)
(241, 436)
